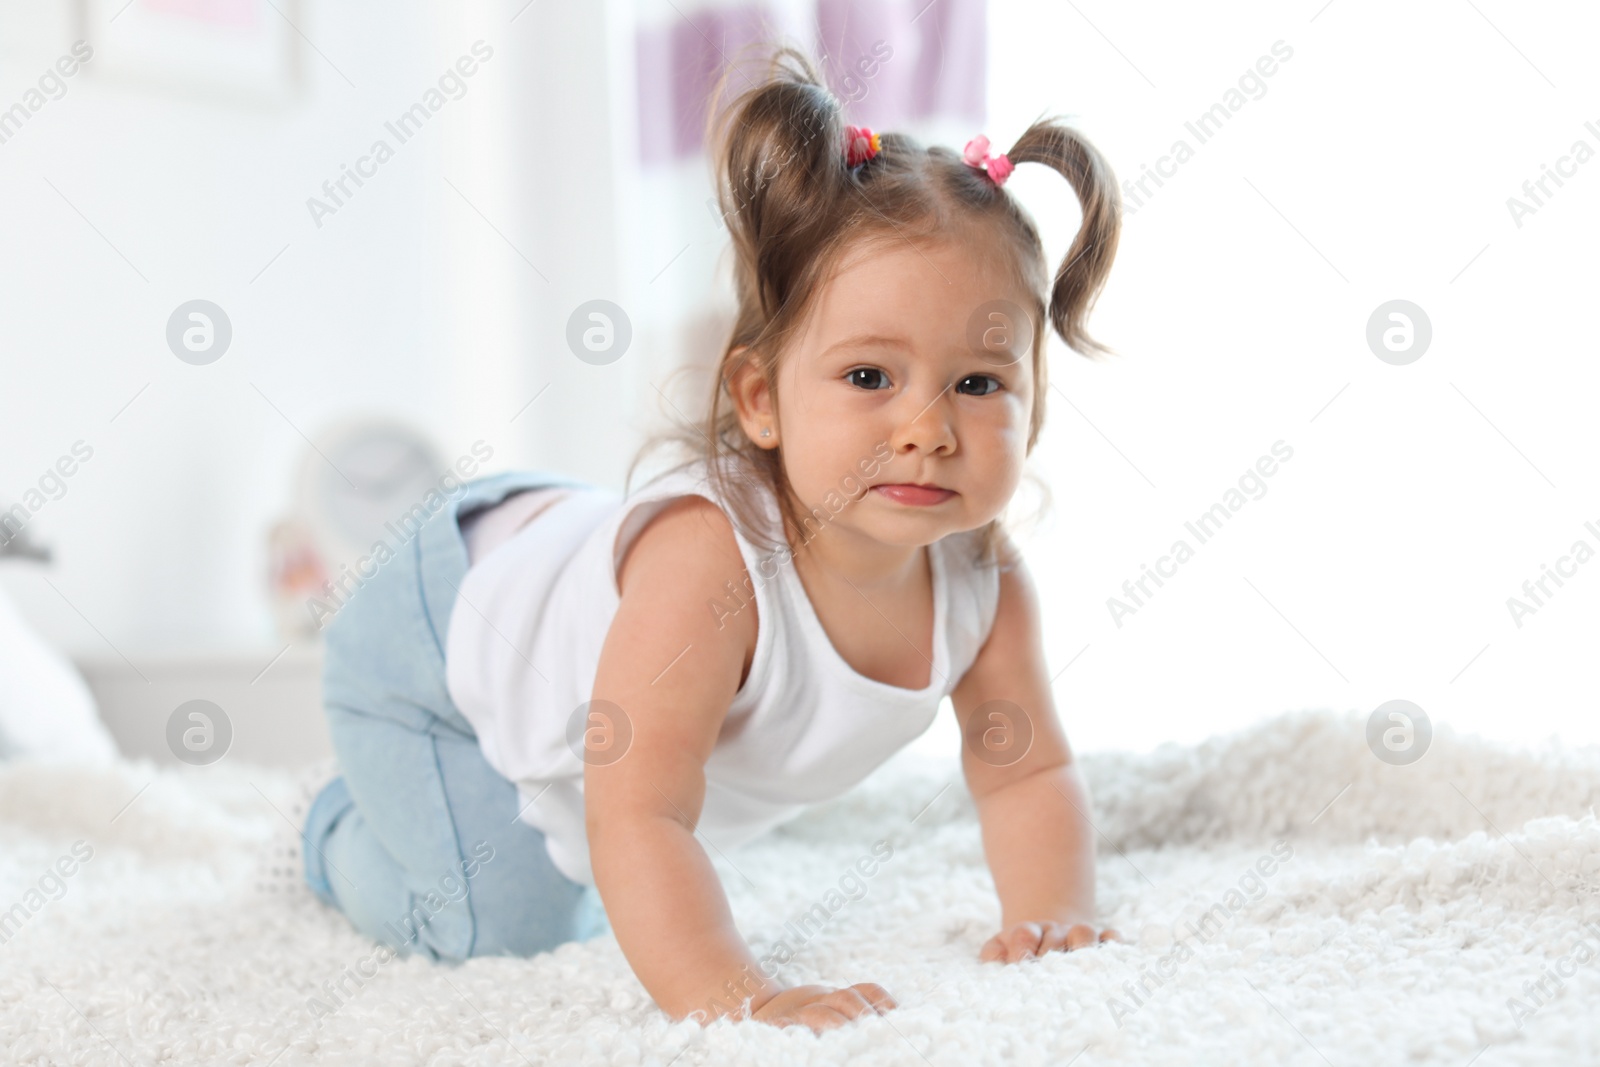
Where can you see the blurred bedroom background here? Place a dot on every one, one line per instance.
(238, 339)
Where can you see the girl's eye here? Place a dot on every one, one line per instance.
(982, 378)
(865, 376)
(873, 378)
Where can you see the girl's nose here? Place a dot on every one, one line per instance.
(927, 428)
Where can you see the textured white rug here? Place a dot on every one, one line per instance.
(1424, 914)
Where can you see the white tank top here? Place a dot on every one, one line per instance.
(532, 614)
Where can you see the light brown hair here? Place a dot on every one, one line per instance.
(792, 205)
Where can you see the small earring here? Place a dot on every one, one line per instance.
(765, 432)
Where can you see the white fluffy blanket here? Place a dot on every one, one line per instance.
(1427, 914)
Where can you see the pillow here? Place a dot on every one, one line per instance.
(46, 710)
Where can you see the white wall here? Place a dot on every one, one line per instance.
(1412, 508)
(406, 302)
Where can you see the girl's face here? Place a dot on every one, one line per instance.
(886, 384)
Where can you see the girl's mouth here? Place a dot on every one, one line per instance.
(919, 495)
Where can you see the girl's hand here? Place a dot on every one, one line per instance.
(822, 1007)
(1023, 941)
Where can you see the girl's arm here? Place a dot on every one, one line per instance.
(1033, 810)
(661, 893)
(673, 668)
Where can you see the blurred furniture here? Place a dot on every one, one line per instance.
(246, 52)
(46, 710)
(20, 546)
(275, 711)
(364, 482)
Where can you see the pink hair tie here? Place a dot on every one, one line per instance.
(976, 155)
(860, 145)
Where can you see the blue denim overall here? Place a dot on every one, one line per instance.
(398, 841)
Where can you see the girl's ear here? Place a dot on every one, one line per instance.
(752, 398)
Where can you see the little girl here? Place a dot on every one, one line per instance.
(557, 697)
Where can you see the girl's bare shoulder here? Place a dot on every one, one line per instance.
(689, 533)
(680, 565)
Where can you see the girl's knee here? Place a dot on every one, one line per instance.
(507, 936)
(518, 916)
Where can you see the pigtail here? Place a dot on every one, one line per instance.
(1087, 264)
(780, 167)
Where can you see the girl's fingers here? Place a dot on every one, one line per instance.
(1080, 935)
(876, 995)
(819, 1017)
(1023, 941)
(1026, 940)
(1012, 944)
(1055, 936)
(848, 1002)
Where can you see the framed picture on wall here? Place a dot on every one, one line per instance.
(242, 50)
